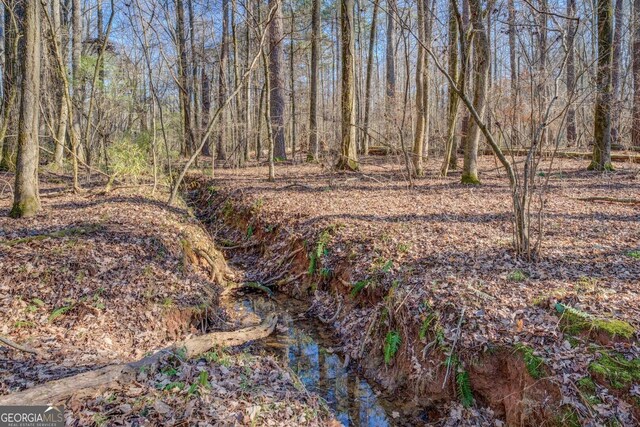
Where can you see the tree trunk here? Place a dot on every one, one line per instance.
(601, 159)
(76, 56)
(348, 153)
(513, 68)
(206, 108)
(615, 72)
(314, 146)
(276, 75)
(13, 43)
(450, 159)
(222, 81)
(481, 58)
(635, 126)
(421, 113)
(367, 96)
(183, 80)
(571, 73)
(26, 200)
(63, 113)
(390, 58)
(292, 97)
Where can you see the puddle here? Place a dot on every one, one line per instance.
(311, 351)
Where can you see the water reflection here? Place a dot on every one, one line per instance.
(308, 351)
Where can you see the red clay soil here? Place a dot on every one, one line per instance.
(391, 259)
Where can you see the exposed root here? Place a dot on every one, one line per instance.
(17, 346)
(115, 376)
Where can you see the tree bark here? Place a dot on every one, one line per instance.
(314, 146)
(450, 158)
(183, 80)
(615, 72)
(348, 154)
(26, 201)
(13, 43)
(481, 58)
(571, 73)
(635, 126)
(369, 78)
(390, 58)
(276, 75)
(222, 81)
(601, 159)
(418, 142)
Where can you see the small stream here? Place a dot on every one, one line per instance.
(312, 352)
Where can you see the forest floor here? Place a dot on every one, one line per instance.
(423, 286)
(97, 279)
(420, 284)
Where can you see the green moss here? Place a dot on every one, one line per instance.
(568, 417)
(517, 275)
(25, 208)
(577, 321)
(534, 364)
(617, 370)
(587, 388)
(426, 325)
(470, 179)
(358, 287)
(634, 254)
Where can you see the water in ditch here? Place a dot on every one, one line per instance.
(309, 349)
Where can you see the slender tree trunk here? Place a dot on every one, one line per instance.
(276, 76)
(206, 108)
(615, 72)
(222, 81)
(421, 113)
(76, 54)
(248, 104)
(13, 19)
(348, 153)
(513, 68)
(63, 113)
(183, 79)
(571, 73)
(369, 78)
(314, 146)
(450, 159)
(390, 59)
(481, 61)
(292, 97)
(635, 126)
(194, 84)
(601, 159)
(26, 201)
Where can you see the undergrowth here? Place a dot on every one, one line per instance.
(391, 345)
(534, 364)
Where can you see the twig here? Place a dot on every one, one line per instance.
(453, 347)
(12, 344)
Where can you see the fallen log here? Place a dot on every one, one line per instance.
(610, 200)
(114, 377)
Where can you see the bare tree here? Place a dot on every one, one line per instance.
(26, 201)
(276, 76)
(601, 159)
(314, 146)
(348, 154)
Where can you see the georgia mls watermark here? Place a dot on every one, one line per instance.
(31, 416)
